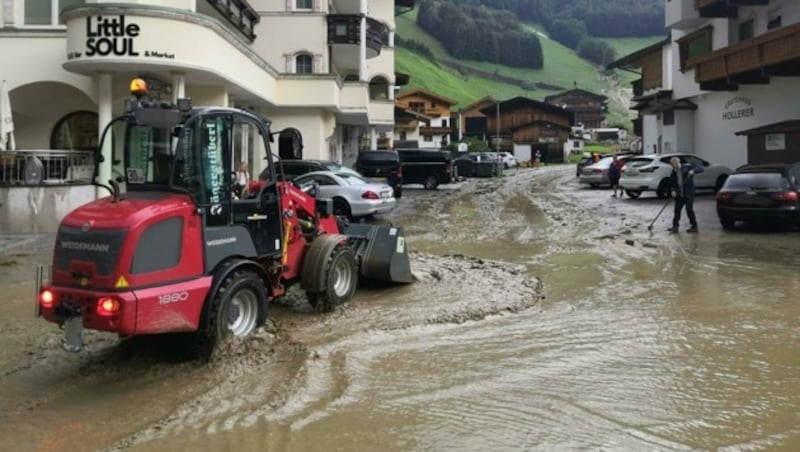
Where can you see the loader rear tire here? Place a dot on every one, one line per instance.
(341, 279)
(237, 308)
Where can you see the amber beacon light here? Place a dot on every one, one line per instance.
(138, 87)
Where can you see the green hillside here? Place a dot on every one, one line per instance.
(562, 67)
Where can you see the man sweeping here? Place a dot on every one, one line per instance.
(682, 181)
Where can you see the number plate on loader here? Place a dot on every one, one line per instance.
(73, 334)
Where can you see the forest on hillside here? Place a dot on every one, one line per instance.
(599, 18)
(476, 32)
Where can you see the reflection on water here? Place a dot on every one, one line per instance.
(692, 347)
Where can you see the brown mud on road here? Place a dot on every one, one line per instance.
(545, 316)
(119, 395)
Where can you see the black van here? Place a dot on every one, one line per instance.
(428, 167)
(383, 166)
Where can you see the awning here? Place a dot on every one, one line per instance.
(778, 127)
(6, 120)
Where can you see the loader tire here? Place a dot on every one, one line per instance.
(236, 310)
(341, 279)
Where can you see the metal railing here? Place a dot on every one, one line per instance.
(46, 167)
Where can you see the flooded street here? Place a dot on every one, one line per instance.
(546, 317)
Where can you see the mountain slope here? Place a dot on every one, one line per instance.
(473, 80)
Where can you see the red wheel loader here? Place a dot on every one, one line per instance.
(178, 252)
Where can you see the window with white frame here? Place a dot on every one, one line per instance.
(43, 13)
(303, 5)
(303, 64)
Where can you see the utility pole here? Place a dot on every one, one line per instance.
(497, 142)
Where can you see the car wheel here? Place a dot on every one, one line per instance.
(727, 223)
(663, 190)
(720, 182)
(341, 208)
(633, 193)
(431, 183)
(398, 192)
(594, 185)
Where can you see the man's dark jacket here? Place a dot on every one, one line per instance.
(688, 181)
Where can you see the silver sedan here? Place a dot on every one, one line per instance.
(353, 195)
(596, 174)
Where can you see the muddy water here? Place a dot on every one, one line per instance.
(546, 317)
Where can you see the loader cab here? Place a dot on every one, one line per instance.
(196, 151)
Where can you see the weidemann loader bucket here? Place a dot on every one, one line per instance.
(382, 252)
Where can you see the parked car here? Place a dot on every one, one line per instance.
(294, 168)
(478, 164)
(506, 158)
(596, 174)
(353, 196)
(652, 172)
(587, 160)
(382, 166)
(428, 167)
(761, 193)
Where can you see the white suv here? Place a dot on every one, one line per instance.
(652, 172)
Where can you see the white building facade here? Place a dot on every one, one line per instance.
(727, 66)
(321, 71)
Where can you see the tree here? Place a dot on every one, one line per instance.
(569, 32)
(596, 51)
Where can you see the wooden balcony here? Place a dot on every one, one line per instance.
(435, 130)
(240, 14)
(776, 53)
(346, 29)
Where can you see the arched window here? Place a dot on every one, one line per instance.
(290, 144)
(379, 88)
(303, 64)
(77, 130)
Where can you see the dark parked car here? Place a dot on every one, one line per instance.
(477, 164)
(760, 193)
(427, 167)
(382, 166)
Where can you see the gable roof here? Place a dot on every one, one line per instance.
(420, 91)
(488, 99)
(577, 91)
(520, 101)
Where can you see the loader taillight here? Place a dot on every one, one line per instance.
(46, 298)
(369, 194)
(108, 306)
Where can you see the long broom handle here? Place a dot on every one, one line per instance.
(660, 211)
